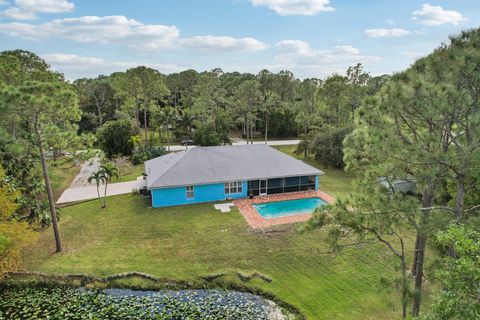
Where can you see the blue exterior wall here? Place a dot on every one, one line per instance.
(165, 197)
(177, 196)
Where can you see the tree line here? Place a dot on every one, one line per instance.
(210, 107)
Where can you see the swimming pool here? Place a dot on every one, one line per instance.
(290, 207)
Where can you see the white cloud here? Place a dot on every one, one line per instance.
(295, 7)
(130, 32)
(27, 9)
(215, 43)
(299, 56)
(108, 29)
(18, 14)
(45, 6)
(74, 66)
(435, 15)
(386, 33)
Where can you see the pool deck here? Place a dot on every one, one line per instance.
(256, 221)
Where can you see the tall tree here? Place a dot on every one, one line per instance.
(248, 98)
(45, 105)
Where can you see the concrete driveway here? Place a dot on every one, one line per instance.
(90, 192)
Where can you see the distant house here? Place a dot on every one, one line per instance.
(204, 174)
(408, 186)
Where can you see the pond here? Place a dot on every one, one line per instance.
(71, 303)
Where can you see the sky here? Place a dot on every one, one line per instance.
(312, 38)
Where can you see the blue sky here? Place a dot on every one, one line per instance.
(312, 38)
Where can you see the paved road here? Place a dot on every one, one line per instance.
(243, 142)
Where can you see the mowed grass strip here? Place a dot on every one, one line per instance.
(187, 242)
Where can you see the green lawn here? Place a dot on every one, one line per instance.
(335, 181)
(127, 171)
(187, 242)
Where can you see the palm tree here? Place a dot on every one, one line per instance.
(168, 116)
(186, 119)
(109, 171)
(99, 178)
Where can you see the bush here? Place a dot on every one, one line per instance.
(145, 153)
(114, 136)
(206, 136)
(328, 147)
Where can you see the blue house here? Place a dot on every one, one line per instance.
(204, 174)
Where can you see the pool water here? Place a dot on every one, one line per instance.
(290, 207)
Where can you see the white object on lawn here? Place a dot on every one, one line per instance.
(224, 207)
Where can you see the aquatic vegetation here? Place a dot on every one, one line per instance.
(78, 304)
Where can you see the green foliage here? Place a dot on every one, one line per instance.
(15, 235)
(328, 146)
(144, 153)
(114, 138)
(459, 276)
(206, 136)
(69, 303)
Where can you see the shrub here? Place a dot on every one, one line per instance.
(114, 136)
(328, 146)
(206, 136)
(145, 153)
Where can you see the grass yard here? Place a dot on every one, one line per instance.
(335, 181)
(62, 174)
(127, 171)
(187, 242)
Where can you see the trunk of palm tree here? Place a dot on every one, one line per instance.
(98, 193)
(105, 194)
(145, 122)
(51, 203)
(167, 137)
(306, 143)
(137, 116)
(266, 128)
(99, 111)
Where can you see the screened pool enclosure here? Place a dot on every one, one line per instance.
(281, 185)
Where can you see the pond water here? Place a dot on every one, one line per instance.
(71, 303)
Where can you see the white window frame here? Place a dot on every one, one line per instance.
(190, 192)
(233, 187)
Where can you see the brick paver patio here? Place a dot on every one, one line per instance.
(258, 222)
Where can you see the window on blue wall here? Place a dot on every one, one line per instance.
(233, 187)
(190, 192)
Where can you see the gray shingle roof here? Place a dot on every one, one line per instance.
(206, 165)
